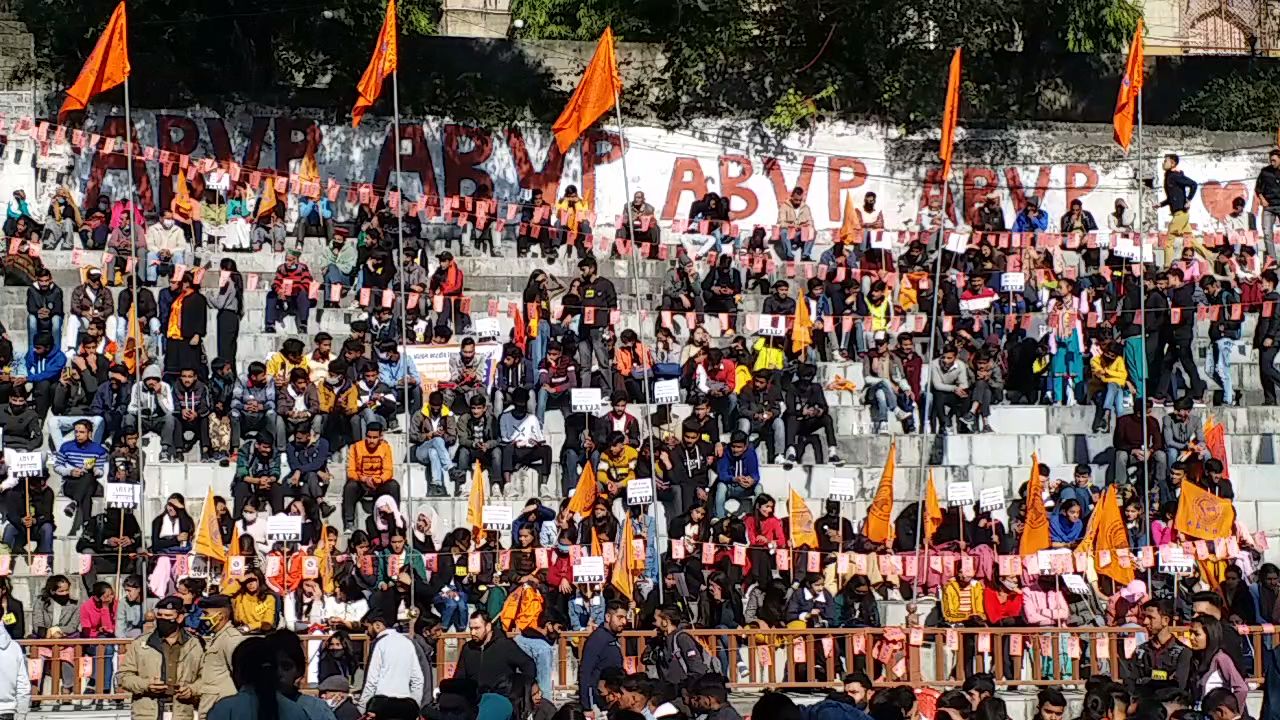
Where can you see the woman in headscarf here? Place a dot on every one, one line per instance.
(1066, 527)
(386, 517)
(64, 221)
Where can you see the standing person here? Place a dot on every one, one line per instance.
(390, 672)
(229, 302)
(98, 620)
(221, 640)
(15, 682)
(1180, 334)
(602, 651)
(1224, 331)
(490, 659)
(1162, 657)
(161, 670)
(1211, 666)
(185, 330)
(795, 220)
(1178, 192)
(1266, 337)
(254, 670)
(599, 300)
(1267, 189)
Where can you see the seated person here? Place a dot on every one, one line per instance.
(315, 213)
(297, 407)
(434, 432)
(258, 476)
(617, 420)
(807, 413)
(690, 475)
(400, 374)
(253, 405)
(1130, 453)
(173, 529)
(166, 248)
(557, 376)
(720, 290)
(633, 365)
(191, 414)
(479, 440)
(104, 540)
(152, 401)
(338, 404)
(370, 473)
(90, 300)
(760, 413)
(292, 355)
(466, 375)
(20, 426)
(289, 293)
(377, 402)
(28, 509)
(737, 475)
(617, 466)
(80, 462)
(308, 476)
(111, 401)
(511, 373)
(71, 402)
(44, 364)
(523, 442)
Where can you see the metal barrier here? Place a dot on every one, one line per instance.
(751, 658)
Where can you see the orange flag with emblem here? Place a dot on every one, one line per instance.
(801, 520)
(879, 527)
(1203, 515)
(106, 67)
(597, 91)
(475, 501)
(1035, 528)
(1106, 531)
(950, 115)
(208, 540)
(932, 509)
(1126, 114)
(385, 60)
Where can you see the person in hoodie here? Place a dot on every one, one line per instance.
(490, 658)
(112, 533)
(81, 462)
(74, 392)
(44, 364)
(28, 510)
(152, 401)
(308, 476)
(19, 423)
(297, 406)
(523, 442)
(45, 310)
(190, 413)
(258, 475)
(15, 681)
(434, 434)
(111, 400)
(253, 405)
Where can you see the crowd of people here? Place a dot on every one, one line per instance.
(676, 507)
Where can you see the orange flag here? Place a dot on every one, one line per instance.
(1126, 114)
(383, 63)
(802, 331)
(181, 193)
(1106, 531)
(267, 203)
(106, 67)
(851, 225)
(584, 496)
(801, 517)
(208, 542)
(1203, 515)
(597, 91)
(950, 114)
(475, 501)
(624, 568)
(1035, 528)
(932, 509)
(233, 549)
(597, 549)
(1215, 438)
(879, 527)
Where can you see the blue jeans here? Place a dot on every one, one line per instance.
(883, 399)
(538, 347)
(333, 276)
(153, 271)
(544, 659)
(544, 398)
(15, 536)
(790, 235)
(55, 327)
(1217, 366)
(1112, 398)
(107, 664)
(453, 612)
(435, 454)
(62, 426)
(730, 489)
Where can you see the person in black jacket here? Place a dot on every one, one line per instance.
(490, 658)
(29, 513)
(1178, 192)
(44, 306)
(599, 300)
(807, 413)
(110, 534)
(1180, 332)
(173, 530)
(192, 321)
(1267, 188)
(721, 288)
(1153, 324)
(603, 650)
(1266, 337)
(191, 412)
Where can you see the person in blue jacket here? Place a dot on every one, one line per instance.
(737, 473)
(602, 650)
(44, 366)
(1031, 218)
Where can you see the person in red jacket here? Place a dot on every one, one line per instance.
(1002, 601)
(764, 534)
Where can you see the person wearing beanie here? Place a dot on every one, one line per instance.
(152, 401)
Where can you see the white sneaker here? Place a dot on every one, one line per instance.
(779, 459)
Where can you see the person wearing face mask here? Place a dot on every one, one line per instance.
(161, 670)
(336, 693)
(64, 221)
(221, 639)
(166, 247)
(56, 615)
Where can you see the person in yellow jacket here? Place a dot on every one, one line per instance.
(254, 607)
(1107, 386)
(962, 606)
(617, 465)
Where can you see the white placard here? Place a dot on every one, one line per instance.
(218, 180)
(990, 499)
(486, 328)
(1013, 282)
(1175, 561)
(640, 491)
(586, 400)
(957, 242)
(1125, 248)
(1075, 584)
(666, 392)
(842, 489)
(772, 325)
(959, 492)
(881, 240)
(23, 464)
(977, 304)
(589, 570)
(496, 517)
(286, 528)
(123, 495)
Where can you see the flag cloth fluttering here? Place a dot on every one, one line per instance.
(849, 224)
(1106, 531)
(932, 509)
(475, 501)
(1035, 529)
(1203, 515)
(584, 495)
(802, 332)
(879, 528)
(802, 532)
(208, 542)
(266, 203)
(624, 578)
(597, 91)
(950, 114)
(383, 63)
(1126, 114)
(106, 67)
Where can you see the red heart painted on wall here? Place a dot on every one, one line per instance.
(1217, 198)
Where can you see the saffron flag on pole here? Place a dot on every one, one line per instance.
(802, 531)
(208, 542)
(106, 67)
(879, 527)
(1203, 515)
(623, 577)
(850, 223)
(384, 62)
(1215, 439)
(597, 91)
(802, 332)
(1035, 529)
(584, 495)
(1106, 531)
(1126, 114)
(932, 509)
(234, 549)
(950, 114)
(475, 501)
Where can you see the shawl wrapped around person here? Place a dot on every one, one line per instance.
(1063, 530)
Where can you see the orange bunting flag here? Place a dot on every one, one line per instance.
(383, 63)
(1215, 439)
(584, 496)
(208, 542)
(802, 532)
(106, 67)
(1126, 114)
(597, 91)
(1035, 529)
(475, 501)
(950, 114)
(624, 568)
(597, 549)
(1201, 514)
(879, 527)
(932, 509)
(802, 333)
(1106, 531)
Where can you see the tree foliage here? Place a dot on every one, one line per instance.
(1245, 101)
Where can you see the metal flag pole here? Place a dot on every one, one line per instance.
(652, 538)
(1142, 305)
(133, 328)
(404, 333)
